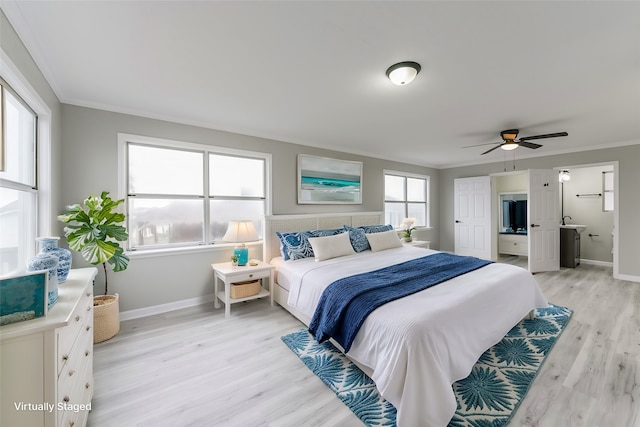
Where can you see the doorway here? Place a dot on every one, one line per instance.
(588, 199)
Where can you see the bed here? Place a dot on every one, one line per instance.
(414, 347)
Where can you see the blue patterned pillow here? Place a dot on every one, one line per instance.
(358, 239)
(368, 229)
(296, 245)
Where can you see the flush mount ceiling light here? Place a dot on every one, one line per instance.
(564, 176)
(403, 73)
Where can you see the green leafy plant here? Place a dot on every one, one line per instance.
(95, 231)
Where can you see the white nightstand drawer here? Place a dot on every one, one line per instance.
(245, 277)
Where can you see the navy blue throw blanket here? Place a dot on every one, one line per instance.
(345, 304)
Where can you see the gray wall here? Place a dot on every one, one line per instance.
(89, 166)
(629, 194)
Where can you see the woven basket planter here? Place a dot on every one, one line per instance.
(245, 289)
(106, 317)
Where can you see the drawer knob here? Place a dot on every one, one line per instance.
(87, 385)
(89, 308)
(72, 423)
(88, 328)
(77, 318)
(71, 372)
(251, 275)
(65, 357)
(88, 294)
(86, 353)
(66, 399)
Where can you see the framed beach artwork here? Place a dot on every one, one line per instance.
(24, 297)
(328, 181)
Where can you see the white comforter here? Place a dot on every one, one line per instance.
(417, 346)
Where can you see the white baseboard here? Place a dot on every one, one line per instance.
(164, 308)
(595, 262)
(627, 277)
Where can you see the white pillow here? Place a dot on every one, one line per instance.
(328, 247)
(384, 240)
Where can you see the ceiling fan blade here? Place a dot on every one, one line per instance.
(488, 151)
(548, 135)
(529, 144)
(478, 145)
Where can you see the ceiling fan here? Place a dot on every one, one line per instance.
(509, 141)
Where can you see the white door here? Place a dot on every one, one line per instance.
(472, 212)
(543, 214)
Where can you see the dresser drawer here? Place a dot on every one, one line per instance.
(513, 244)
(81, 322)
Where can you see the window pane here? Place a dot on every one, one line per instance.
(165, 222)
(608, 201)
(393, 187)
(236, 176)
(394, 214)
(17, 229)
(223, 211)
(416, 190)
(155, 170)
(20, 142)
(607, 181)
(419, 212)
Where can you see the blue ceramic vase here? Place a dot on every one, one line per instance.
(49, 262)
(50, 245)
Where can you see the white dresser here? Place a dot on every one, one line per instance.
(513, 244)
(46, 364)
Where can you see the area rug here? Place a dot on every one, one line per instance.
(487, 397)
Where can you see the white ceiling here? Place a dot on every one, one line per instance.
(313, 73)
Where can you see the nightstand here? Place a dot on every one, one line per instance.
(228, 274)
(419, 243)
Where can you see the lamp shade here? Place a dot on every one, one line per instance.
(403, 72)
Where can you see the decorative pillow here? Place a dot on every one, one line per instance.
(368, 229)
(358, 239)
(383, 240)
(328, 247)
(295, 245)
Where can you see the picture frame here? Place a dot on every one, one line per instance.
(24, 297)
(323, 180)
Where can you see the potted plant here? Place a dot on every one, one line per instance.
(407, 223)
(95, 231)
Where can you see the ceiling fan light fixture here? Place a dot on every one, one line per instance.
(509, 145)
(403, 73)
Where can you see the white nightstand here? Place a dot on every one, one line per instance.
(419, 243)
(228, 274)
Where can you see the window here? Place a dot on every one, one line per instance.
(18, 182)
(183, 195)
(607, 191)
(406, 196)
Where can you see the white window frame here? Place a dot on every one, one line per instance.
(125, 138)
(44, 179)
(406, 202)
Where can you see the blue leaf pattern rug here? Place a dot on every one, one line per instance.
(487, 397)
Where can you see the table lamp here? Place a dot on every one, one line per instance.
(240, 232)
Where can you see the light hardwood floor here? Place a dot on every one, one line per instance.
(192, 367)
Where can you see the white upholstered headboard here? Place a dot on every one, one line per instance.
(302, 222)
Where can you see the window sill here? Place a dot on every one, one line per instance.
(218, 247)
